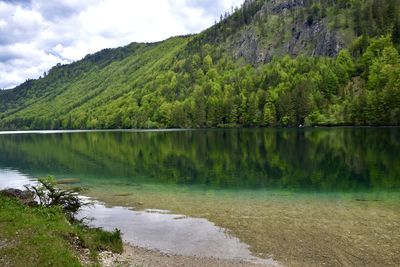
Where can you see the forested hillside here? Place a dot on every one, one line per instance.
(268, 63)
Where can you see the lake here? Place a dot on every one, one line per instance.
(296, 196)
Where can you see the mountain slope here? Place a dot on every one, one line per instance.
(271, 62)
(261, 29)
(84, 85)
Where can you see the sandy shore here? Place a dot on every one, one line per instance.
(136, 256)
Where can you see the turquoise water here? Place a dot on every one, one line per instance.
(300, 196)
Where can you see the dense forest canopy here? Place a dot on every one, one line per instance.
(268, 63)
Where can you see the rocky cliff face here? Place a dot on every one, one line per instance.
(283, 27)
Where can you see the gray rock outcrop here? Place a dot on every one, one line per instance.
(299, 35)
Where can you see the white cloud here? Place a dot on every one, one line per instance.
(37, 34)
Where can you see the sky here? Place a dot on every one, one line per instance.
(37, 34)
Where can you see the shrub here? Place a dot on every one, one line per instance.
(49, 195)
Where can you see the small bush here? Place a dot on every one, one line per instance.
(49, 195)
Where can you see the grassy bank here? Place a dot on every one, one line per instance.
(43, 237)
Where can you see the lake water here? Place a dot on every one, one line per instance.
(298, 196)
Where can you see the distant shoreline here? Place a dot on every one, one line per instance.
(5, 132)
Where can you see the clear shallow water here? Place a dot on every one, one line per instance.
(13, 179)
(171, 233)
(288, 193)
(157, 229)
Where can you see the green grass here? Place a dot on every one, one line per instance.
(96, 239)
(43, 237)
